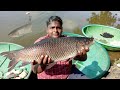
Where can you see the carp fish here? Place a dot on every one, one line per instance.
(57, 49)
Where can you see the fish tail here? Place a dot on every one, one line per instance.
(8, 54)
(11, 56)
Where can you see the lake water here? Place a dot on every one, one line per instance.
(73, 22)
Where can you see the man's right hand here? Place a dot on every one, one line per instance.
(38, 67)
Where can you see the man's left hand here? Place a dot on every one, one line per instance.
(82, 54)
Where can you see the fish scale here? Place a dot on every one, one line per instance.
(56, 48)
(58, 45)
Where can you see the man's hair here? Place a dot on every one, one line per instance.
(54, 18)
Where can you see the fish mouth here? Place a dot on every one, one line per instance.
(10, 35)
(90, 42)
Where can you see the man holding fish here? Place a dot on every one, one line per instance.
(51, 55)
(61, 69)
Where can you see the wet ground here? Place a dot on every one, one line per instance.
(113, 56)
(114, 71)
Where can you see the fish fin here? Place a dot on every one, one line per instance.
(50, 65)
(13, 61)
(8, 54)
(12, 64)
(70, 59)
(25, 63)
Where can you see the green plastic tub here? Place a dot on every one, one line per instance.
(97, 63)
(4, 62)
(108, 37)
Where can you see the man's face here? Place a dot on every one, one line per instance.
(54, 29)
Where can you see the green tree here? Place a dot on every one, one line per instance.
(103, 18)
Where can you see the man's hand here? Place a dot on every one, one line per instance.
(39, 66)
(82, 54)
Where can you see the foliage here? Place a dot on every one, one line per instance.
(104, 18)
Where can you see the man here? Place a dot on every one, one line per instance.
(62, 69)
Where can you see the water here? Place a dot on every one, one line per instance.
(73, 22)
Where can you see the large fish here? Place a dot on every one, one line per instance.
(56, 48)
(22, 30)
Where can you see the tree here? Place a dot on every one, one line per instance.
(104, 18)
